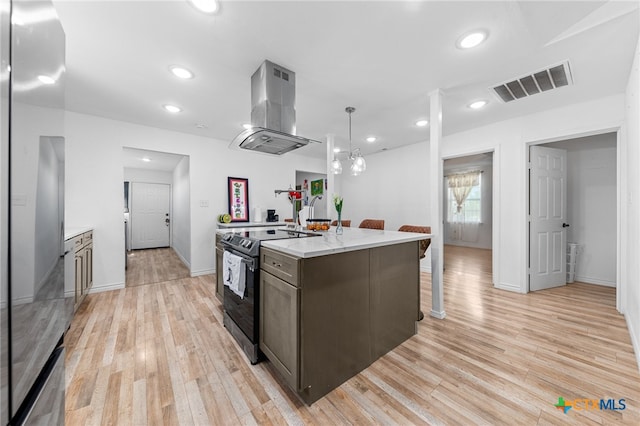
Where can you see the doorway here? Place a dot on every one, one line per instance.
(157, 216)
(316, 200)
(468, 213)
(589, 253)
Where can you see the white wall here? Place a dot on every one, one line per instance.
(95, 176)
(592, 205)
(147, 176)
(395, 187)
(485, 228)
(630, 197)
(181, 217)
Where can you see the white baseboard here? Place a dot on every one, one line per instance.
(425, 268)
(438, 314)
(203, 272)
(588, 280)
(634, 339)
(509, 287)
(107, 287)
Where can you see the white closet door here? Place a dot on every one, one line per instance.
(548, 216)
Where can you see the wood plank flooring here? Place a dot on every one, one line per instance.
(153, 266)
(158, 354)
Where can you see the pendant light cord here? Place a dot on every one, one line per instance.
(350, 110)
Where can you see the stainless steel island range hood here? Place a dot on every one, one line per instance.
(273, 114)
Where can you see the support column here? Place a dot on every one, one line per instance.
(330, 176)
(435, 174)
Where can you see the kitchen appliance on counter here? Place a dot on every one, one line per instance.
(34, 312)
(241, 314)
(272, 216)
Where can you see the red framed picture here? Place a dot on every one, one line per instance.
(238, 199)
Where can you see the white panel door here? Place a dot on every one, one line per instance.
(150, 215)
(548, 216)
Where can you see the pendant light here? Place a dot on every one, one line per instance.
(358, 164)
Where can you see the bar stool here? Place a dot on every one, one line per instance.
(422, 248)
(372, 224)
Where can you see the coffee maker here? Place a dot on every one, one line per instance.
(271, 215)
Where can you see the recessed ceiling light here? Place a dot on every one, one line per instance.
(247, 126)
(45, 79)
(472, 39)
(181, 72)
(422, 123)
(371, 139)
(336, 150)
(477, 104)
(172, 108)
(146, 159)
(205, 6)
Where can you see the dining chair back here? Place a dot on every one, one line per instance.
(372, 224)
(424, 244)
(345, 223)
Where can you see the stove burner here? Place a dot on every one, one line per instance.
(248, 242)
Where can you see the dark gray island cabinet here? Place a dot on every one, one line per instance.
(325, 318)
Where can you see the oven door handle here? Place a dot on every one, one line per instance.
(249, 261)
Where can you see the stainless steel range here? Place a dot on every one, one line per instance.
(241, 313)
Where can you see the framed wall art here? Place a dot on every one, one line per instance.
(238, 199)
(317, 187)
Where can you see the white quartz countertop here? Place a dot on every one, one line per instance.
(75, 231)
(330, 243)
(249, 224)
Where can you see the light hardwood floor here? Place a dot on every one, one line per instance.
(154, 266)
(158, 354)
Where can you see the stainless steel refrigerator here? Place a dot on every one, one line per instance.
(34, 312)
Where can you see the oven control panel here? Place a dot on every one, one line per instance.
(242, 244)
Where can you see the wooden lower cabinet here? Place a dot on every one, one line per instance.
(324, 319)
(84, 266)
(279, 326)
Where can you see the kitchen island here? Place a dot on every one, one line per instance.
(331, 305)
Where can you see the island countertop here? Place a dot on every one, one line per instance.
(330, 243)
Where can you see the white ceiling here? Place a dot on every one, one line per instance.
(381, 57)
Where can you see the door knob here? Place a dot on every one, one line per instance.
(565, 225)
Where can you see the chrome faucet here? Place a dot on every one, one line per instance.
(313, 201)
(294, 214)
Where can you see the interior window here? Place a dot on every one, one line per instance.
(471, 207)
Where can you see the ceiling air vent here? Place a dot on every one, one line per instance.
(540, 81)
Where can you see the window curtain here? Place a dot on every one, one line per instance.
(461, 185)
(463, 227)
